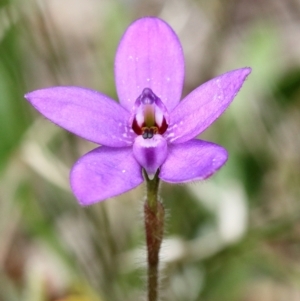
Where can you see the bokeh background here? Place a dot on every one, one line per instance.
(234, 237)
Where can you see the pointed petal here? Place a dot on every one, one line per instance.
(204, 105)
(86, 113)
(149, 56)
(193, 160)
(150, 153)
(103, 173)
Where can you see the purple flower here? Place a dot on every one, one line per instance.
(150, 128)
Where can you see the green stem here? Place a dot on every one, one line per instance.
(154, 225)
(152, 190)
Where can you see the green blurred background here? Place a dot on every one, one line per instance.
(234, 237)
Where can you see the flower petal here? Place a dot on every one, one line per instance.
(150, 153)
(103, 173)
(204, 105)
(193, 160)
(86, 113)
(149, 56)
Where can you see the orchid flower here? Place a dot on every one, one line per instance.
(150, 128)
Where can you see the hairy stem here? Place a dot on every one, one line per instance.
(154, 227)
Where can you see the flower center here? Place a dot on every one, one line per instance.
(150, 116)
